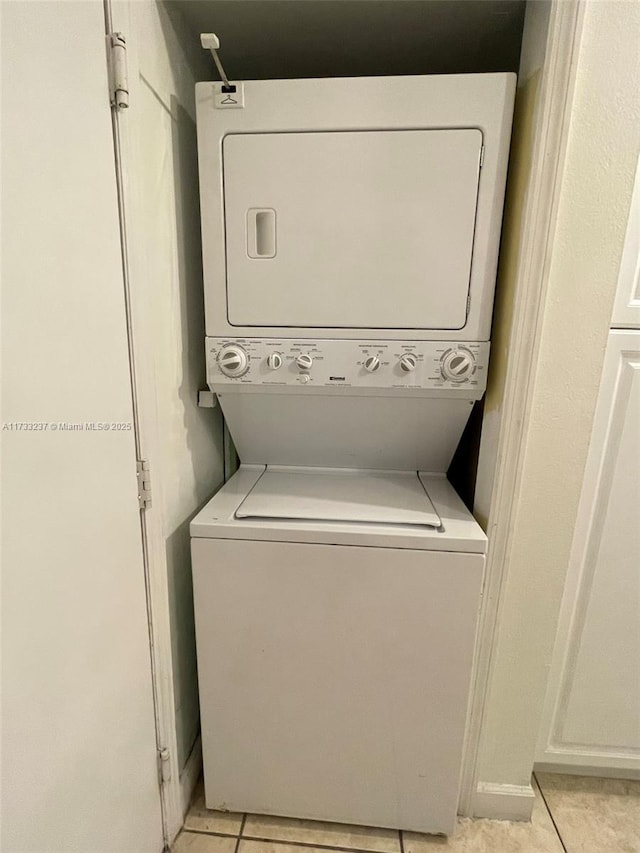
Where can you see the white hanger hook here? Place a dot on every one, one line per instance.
(210, 41)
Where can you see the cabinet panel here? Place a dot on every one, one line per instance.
(346, 669)
(626, 309)
(593, 702)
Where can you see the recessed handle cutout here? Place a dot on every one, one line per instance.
(261, 232)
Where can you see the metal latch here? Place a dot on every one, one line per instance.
(143, 474)
(164, 766)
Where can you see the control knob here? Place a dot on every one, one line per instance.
(304, 361)
(458, 365)
(274, 360)
(372, 363)
(408, 362)
(233, 360)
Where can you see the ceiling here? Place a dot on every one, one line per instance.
(270, 39)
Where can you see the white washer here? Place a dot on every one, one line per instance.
(335, 617)
(350, 243)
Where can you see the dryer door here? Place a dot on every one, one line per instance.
(366, 229)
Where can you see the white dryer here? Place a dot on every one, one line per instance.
(350, 241)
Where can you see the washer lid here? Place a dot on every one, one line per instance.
(321, 494)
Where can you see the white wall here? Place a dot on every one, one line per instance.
(182, 442)
(596, 191)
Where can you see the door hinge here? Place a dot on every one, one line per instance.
(118, 76)
(143, 473)
(481, 156)
(164, 766)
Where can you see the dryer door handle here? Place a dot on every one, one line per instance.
(261, 232)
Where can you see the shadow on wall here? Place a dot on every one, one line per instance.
(183, 645)
(189, 264)
(463, 468)
(270, 39)
(202, 427)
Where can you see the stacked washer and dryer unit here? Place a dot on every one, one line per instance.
(350, 236)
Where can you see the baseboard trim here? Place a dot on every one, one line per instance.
(190, 775)
(503, 802)
(575, 768)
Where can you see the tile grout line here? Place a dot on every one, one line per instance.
(209, 832)
(308, 844)
(240, 831)
(546, 805)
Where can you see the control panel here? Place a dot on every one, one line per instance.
(382, 365)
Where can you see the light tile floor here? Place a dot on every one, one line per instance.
(594, 814)
(575, 814)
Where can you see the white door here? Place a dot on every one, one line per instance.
(592, 715)
(79, 743)
(350, 229)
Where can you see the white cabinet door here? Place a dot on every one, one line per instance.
(79, 745)
(592, 715)
(367, 229)
(626, 309)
